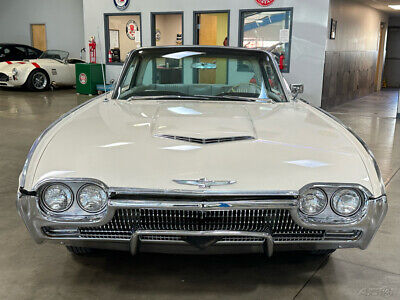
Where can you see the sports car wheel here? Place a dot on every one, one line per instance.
(38, 80)
(81, 251)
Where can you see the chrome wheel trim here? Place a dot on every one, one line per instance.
(39, 80)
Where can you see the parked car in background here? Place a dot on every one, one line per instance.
(201, 150)
(52, 67)
(10, 52)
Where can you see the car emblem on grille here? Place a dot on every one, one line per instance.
(204, 183)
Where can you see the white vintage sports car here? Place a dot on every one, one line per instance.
(53, 67)
(201, 150)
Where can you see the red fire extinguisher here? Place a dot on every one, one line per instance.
(109, 56)
(281, 62)
(92, 50)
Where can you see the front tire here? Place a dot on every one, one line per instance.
(38, 81)
(80, 251)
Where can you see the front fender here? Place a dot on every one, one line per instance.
(23, 73)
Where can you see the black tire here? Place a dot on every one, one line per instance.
(321, 252)
(80, 251)
(38, 81)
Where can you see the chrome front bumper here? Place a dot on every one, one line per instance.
(65, 230)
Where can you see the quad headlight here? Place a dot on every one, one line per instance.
(346, 202)
(92, 198)
(313, 202)
(57, 197)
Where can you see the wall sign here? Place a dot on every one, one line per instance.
(131, 29)
(121, 4)
(265, 2)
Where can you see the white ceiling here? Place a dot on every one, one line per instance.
(383, 5)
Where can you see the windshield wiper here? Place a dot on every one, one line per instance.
(238, 98)
(201, 97)
(165, 97)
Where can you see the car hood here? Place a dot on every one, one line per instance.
(149, 144)
(7, 66)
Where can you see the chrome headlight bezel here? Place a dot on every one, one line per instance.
(14, 72)
(43, 200)
(323, 207)
(360, 204)
(81, 205)
(329, 216)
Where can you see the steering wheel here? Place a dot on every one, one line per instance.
(245, 88)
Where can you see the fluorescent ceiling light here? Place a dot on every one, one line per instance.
(396, 7)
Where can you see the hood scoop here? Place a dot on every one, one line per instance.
(206, 140)
(203, 123)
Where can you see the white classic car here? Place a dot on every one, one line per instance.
(53, 67)
(201, 150)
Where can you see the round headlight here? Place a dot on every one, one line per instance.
(346, 202)
(313, 202)
(57, 197)
(92, 198)
(14, 71)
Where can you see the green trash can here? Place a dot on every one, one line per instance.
(87, 77)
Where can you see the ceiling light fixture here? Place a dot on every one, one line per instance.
(395, 7)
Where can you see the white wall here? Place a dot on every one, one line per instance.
(358, 26)
(308, 41)
(63, 19)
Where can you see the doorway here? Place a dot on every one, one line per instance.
(167, 29)
(38, 35)
(381, 55)
(211, 28)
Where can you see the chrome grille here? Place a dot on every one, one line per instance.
(206, 141)
(277, 221)
(234, 239)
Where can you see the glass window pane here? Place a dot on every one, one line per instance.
(123, 35)
(168, 29)
(268, 29)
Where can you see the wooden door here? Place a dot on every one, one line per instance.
(381, 55)
(39, 36)
(208, 30)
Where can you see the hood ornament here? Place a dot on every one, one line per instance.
(203, 183)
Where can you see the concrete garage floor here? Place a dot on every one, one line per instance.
(30, 271)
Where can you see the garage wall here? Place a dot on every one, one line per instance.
(392, 65)
(63, 19)
(351, 59)
(308, 41)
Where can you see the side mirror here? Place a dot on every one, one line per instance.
(112, 85)
(296, 89)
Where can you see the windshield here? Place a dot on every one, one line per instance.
(55, 54)
(211, 74)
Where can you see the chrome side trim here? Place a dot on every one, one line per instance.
(39, 139)
(369, 151)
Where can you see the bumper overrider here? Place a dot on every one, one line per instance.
(204, 221)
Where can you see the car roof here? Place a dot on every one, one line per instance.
(15, 44)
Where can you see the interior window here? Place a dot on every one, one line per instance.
(266, 29)
(123, 35)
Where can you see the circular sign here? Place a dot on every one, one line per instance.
(83, 78)
(131, 28)
(158, 35)
(265, 2)
(121, 4)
